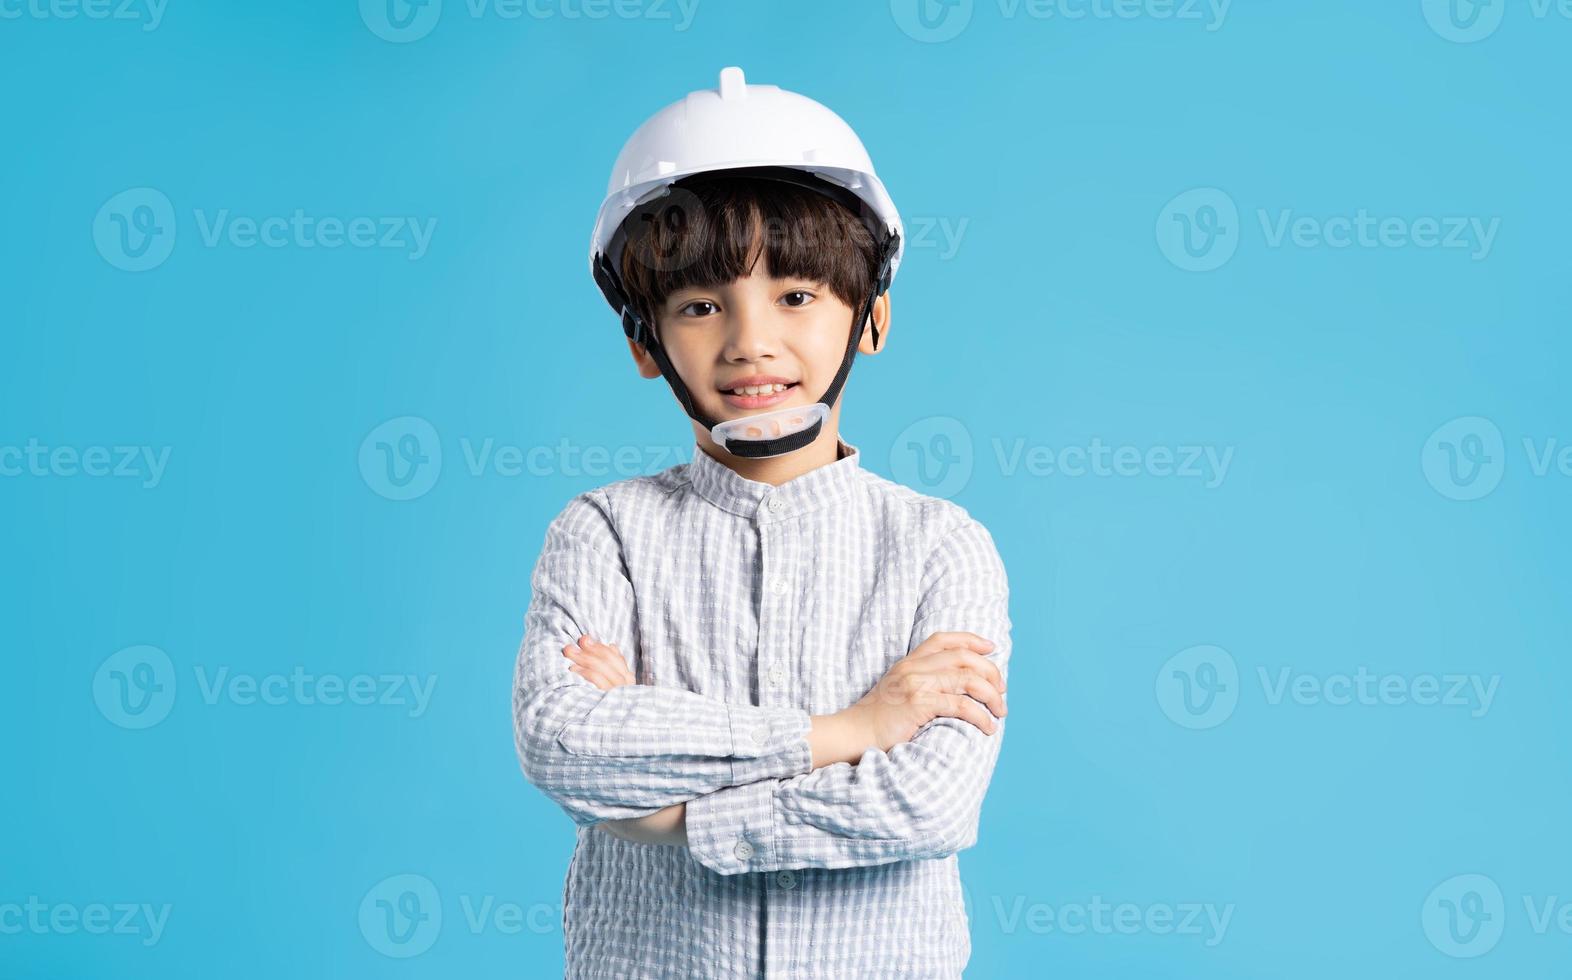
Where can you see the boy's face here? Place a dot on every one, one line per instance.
(793, 330)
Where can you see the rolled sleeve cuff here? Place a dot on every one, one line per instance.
(732, 830)
(769, 743)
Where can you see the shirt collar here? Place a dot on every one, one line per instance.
(730, 491)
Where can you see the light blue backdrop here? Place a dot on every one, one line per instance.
(1243, 327)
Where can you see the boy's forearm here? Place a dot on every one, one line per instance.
(840, 737)
(666, 826)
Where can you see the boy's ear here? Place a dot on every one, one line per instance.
(647, 366)
(881, 319)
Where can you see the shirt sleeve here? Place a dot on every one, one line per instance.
(627, 752)
(921, 799)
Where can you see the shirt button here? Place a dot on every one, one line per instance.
(744, 850)
(774, 505)
(777, 676)
(786, 879)
(779, 586)
(761, 734)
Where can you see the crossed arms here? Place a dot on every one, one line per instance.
(631, 756)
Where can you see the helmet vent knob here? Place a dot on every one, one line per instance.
(733, 86)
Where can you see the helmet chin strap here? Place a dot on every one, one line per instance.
(640, 332)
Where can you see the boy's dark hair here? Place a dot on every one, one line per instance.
(711, 229)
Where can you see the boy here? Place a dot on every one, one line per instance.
(766, 685)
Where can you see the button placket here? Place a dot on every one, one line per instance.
(774, 618)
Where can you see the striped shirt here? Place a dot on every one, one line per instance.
(743, 608)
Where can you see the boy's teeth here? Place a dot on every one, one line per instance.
(758, 389)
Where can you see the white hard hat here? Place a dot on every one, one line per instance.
(753, 130)
(738, 125)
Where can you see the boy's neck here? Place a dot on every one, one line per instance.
(776, 470)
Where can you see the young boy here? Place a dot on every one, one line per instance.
(766, 685)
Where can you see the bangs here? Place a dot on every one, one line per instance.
(711, 230)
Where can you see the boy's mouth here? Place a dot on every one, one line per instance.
(760, 393)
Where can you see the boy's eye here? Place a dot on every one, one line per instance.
(797, 297)
(699, 307)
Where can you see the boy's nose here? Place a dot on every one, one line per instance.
(749, 336)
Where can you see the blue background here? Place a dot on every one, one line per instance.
(1339, 540)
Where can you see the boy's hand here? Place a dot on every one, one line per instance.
(946, 676)
(599, 663)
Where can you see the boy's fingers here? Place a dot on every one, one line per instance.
(966, 709)
(980, 690)
(598, 656)
(956, 638)
(967, 660)
(592, 676)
